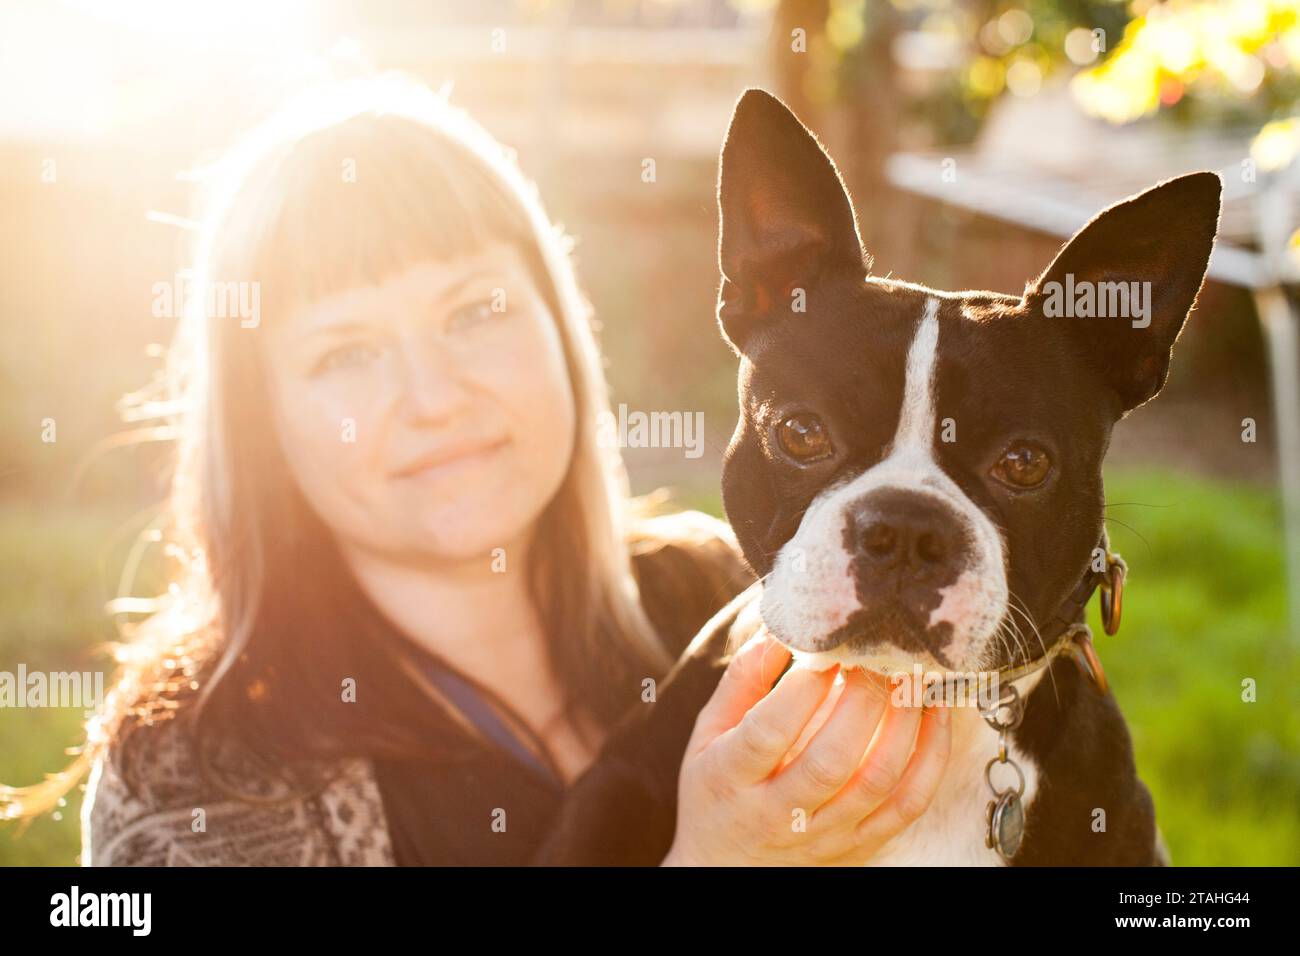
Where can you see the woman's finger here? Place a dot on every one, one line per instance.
(750, 751)
(835, 751)
(880, 772)
(749, 676)
(920, 782)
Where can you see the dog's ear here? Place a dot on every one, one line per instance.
(1160, 240)
(785, 216)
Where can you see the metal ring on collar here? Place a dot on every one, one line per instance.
(988, 777)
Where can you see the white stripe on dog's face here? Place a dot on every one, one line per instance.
(811, 592)
(916, 420)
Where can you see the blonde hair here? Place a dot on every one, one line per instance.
(345, 185)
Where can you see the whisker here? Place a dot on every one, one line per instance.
(1024, 610)
(1135, 532)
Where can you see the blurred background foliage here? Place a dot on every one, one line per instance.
(123, 97)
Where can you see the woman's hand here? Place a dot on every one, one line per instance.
(762, 784)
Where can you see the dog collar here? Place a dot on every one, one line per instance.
(1067, 633)
(1005, 814)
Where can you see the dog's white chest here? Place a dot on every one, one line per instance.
(951, 832)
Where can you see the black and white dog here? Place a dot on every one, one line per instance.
(916, 477)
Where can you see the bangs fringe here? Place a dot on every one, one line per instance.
(369, 199)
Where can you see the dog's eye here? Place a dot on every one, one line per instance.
(1023, 465)
(804, 438)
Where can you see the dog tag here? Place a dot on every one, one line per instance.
(1006, 824)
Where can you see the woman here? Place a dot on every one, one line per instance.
(408, 603)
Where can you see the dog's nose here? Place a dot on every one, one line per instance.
(895, 542)
(906, 546)
(905, 533)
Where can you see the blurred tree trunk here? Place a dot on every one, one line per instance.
(790, 69)
(852, 100)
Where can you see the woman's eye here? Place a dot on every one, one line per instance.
(347, 356)
(1023, 465)
(804, 437)
(468, 316)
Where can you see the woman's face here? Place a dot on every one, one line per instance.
(430, 416)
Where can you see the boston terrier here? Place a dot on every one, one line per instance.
(916, 479)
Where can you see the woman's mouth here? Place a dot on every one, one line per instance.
(450, 458)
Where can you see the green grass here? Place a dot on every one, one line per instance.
(57, 568)
(1204, 611)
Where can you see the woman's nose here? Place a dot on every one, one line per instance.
(431, 384)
